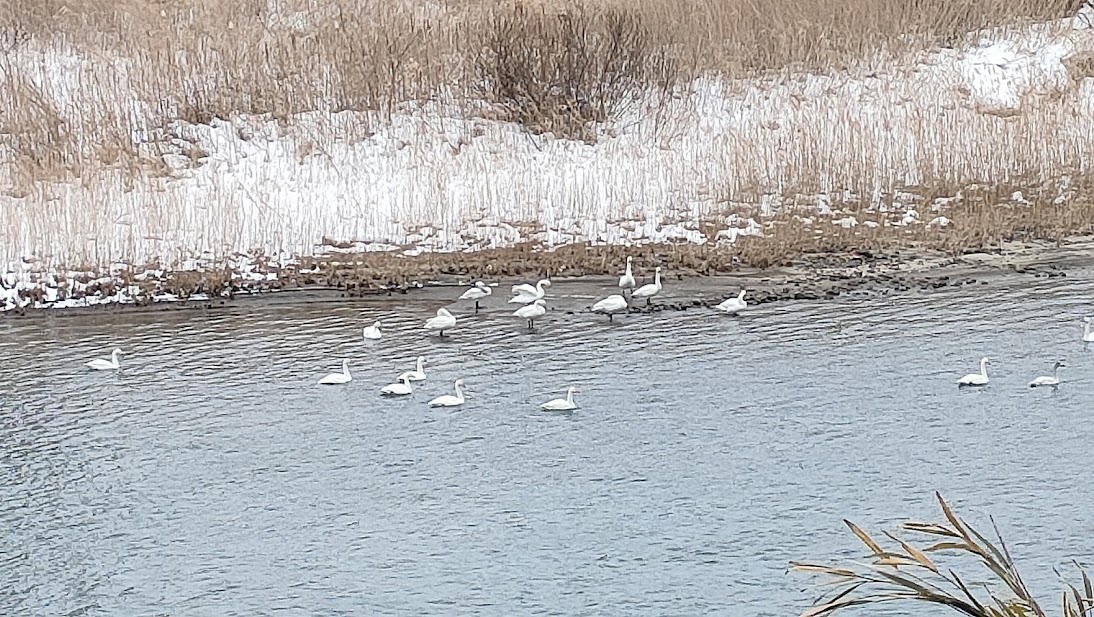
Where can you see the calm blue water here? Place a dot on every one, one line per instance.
(212, 476)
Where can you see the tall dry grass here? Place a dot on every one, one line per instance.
(907, 573)
(92, 92)
(552, 65)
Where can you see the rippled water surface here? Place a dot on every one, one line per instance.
(212, 476)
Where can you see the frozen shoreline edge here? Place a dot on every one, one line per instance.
(813, 277)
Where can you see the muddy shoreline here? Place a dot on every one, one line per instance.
(811, 277)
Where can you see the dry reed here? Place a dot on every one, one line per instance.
(545, 64)
(94, 91)
(908, 573)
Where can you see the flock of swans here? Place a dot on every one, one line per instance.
(532, 297)
(534, 305)
(981, 378)
(1052, 381)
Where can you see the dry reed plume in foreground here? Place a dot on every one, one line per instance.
(911, 574)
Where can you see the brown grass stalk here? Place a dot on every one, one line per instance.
(907, 573)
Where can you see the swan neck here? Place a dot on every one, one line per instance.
(459, 392)
(984, 368)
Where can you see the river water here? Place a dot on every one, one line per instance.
(212, 476)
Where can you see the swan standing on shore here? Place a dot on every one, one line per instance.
(337, 378)
(651, 289)
(417, 374)
(373, 332)
(562, 404)
(99, 364)
(526, 294)
(976, 379)
(626, 282)
(733, 306)
(443, 321)
(476, 293)
(398, 389)
(1049, 381)
(1088, 336)
(611, 305)
(530, 312)
(448, 400)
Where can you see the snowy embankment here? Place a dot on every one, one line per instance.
(431, 178)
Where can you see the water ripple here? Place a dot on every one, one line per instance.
(212, 475)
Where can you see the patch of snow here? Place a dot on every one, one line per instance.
(431, 179)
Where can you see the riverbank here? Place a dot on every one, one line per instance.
(859, 131)
(712, 163)
(692, 278)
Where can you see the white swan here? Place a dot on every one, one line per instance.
(476, 293)
(651, 289)
(627, 280)
(1049, 381)
(611, 305)
(448, 400)
(1088, 336)
(976, 379)
(398, 389)
(417, 374)
(733, 305)
(337, 378)
(562, 404)
(373, 332)
(526, 294)
(105, 365)
(443, 321)
(530, 312)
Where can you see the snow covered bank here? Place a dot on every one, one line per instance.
(434, 177)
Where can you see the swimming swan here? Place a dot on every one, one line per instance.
(651, 289)
(443, 321)
(976, 379)
(337, 378)
(562, 404)
(373, 332)
(532, 311)
(526, 294)
(733, 306)
(626, 281)
(1049, 381)
(611, 305)
(398, 389)
(476, 293)
(105, 365)
(448, 400)
(417, 374)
